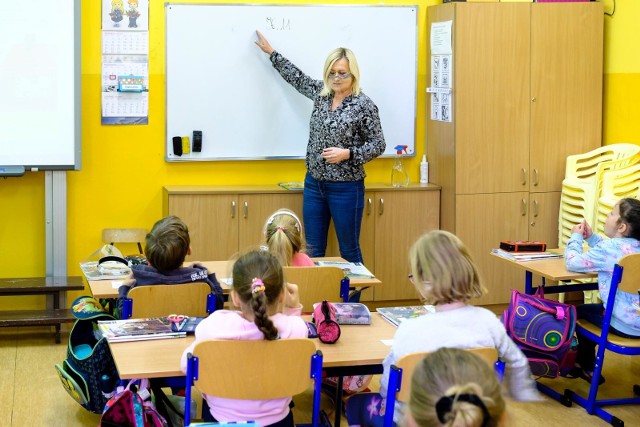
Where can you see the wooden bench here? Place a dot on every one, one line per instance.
(39, 286)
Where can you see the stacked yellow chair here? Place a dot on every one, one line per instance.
(584, 188)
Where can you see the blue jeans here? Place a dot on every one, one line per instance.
(594, 313)
(341, 201)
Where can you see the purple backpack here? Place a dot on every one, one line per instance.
(544, 331)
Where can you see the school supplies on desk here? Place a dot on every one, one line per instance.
(188, 325)
(350, 313)
(353, 270)
(525, 256)
(517, 246)
(138, 329)
(298, 186)
(397, 315)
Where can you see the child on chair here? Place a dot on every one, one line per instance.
(454, 387)
(285, 239)
(167, 245)
(622, 228)
(445, 275)
(260, 292)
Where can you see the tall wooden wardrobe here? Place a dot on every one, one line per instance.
(526, 93)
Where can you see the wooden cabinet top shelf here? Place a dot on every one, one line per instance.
(274, 188)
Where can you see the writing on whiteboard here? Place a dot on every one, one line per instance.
(279, 24)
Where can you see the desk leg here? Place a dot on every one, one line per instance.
(528, 283)
(338, 408)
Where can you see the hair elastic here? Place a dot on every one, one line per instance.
(298, 224)
(257, 285)
(444, 404)
(281, 228)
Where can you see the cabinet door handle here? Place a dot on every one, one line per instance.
(245, 209)
(369, 203)
(535, 177)
(535, 209)
(233, 209)
(523, 175)
(381, 208)
(523, 207)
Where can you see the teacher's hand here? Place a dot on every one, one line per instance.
(335, 154)
(263, 44)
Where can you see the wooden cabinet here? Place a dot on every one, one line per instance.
(526, 93)
(225, 220)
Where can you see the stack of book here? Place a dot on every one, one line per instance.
(525, 256)
(353, 270)
(397, 315)
(138, 329)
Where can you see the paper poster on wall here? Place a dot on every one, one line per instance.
(441, 38)
(441, 86)
(125, 62)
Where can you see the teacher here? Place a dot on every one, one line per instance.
(344, 133)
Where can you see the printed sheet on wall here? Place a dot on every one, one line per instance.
(441, 72)
(125, 62)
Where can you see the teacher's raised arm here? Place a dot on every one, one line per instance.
(344, 133)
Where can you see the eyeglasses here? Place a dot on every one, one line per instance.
(410, 277)
(341, 76)
(426, 282)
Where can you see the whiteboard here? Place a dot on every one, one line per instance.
(40, 75)
(219, 82)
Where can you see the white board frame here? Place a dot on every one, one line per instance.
(219, 82)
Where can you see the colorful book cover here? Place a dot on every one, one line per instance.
(137, 329)
(353, 270)
(397, 315)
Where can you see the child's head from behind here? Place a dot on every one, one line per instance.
(624, 219)
(167, 244)
(258, 287)
(454, 387)
(283, 234)
(442, 269)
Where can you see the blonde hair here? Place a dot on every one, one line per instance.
(455, 388)
(443, 270)
(336, 55)
(284, 235)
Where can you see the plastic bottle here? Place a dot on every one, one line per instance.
(399, 175)
(424, 170)
(106, 386)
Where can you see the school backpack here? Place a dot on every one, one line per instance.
(545, 332)
(89, 362)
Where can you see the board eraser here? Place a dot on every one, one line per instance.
(177, 145)
(197, 141)
(186, 145)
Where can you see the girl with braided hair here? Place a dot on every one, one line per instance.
(269, 309)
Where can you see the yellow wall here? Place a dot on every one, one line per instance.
(123, 167)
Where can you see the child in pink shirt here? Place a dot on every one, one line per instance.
(285, 240)
(260, 292)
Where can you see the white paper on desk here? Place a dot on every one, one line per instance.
(115, 284)
(387, 342)
(441, 38)
(227, 280)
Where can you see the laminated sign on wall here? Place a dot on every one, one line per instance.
(441, 72)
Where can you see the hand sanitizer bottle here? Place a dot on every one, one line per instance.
(399, 175)
(424, 170)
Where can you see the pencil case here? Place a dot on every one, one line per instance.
(517, 246)
(324, 315)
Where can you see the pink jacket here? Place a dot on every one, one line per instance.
(301, 260)
(226, 324)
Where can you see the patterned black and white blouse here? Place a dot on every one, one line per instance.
(355, 125)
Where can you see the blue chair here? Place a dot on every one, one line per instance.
(404, 369)
(626, 278)
(190, 299)
(270, 370)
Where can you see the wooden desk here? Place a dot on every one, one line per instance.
(359, 351)
(552, 269)
(105, 289)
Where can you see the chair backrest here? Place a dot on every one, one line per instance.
(124, 235)
(189, 299)
(585, 165)
(315, 284)
(630, 280)
(269, 370)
